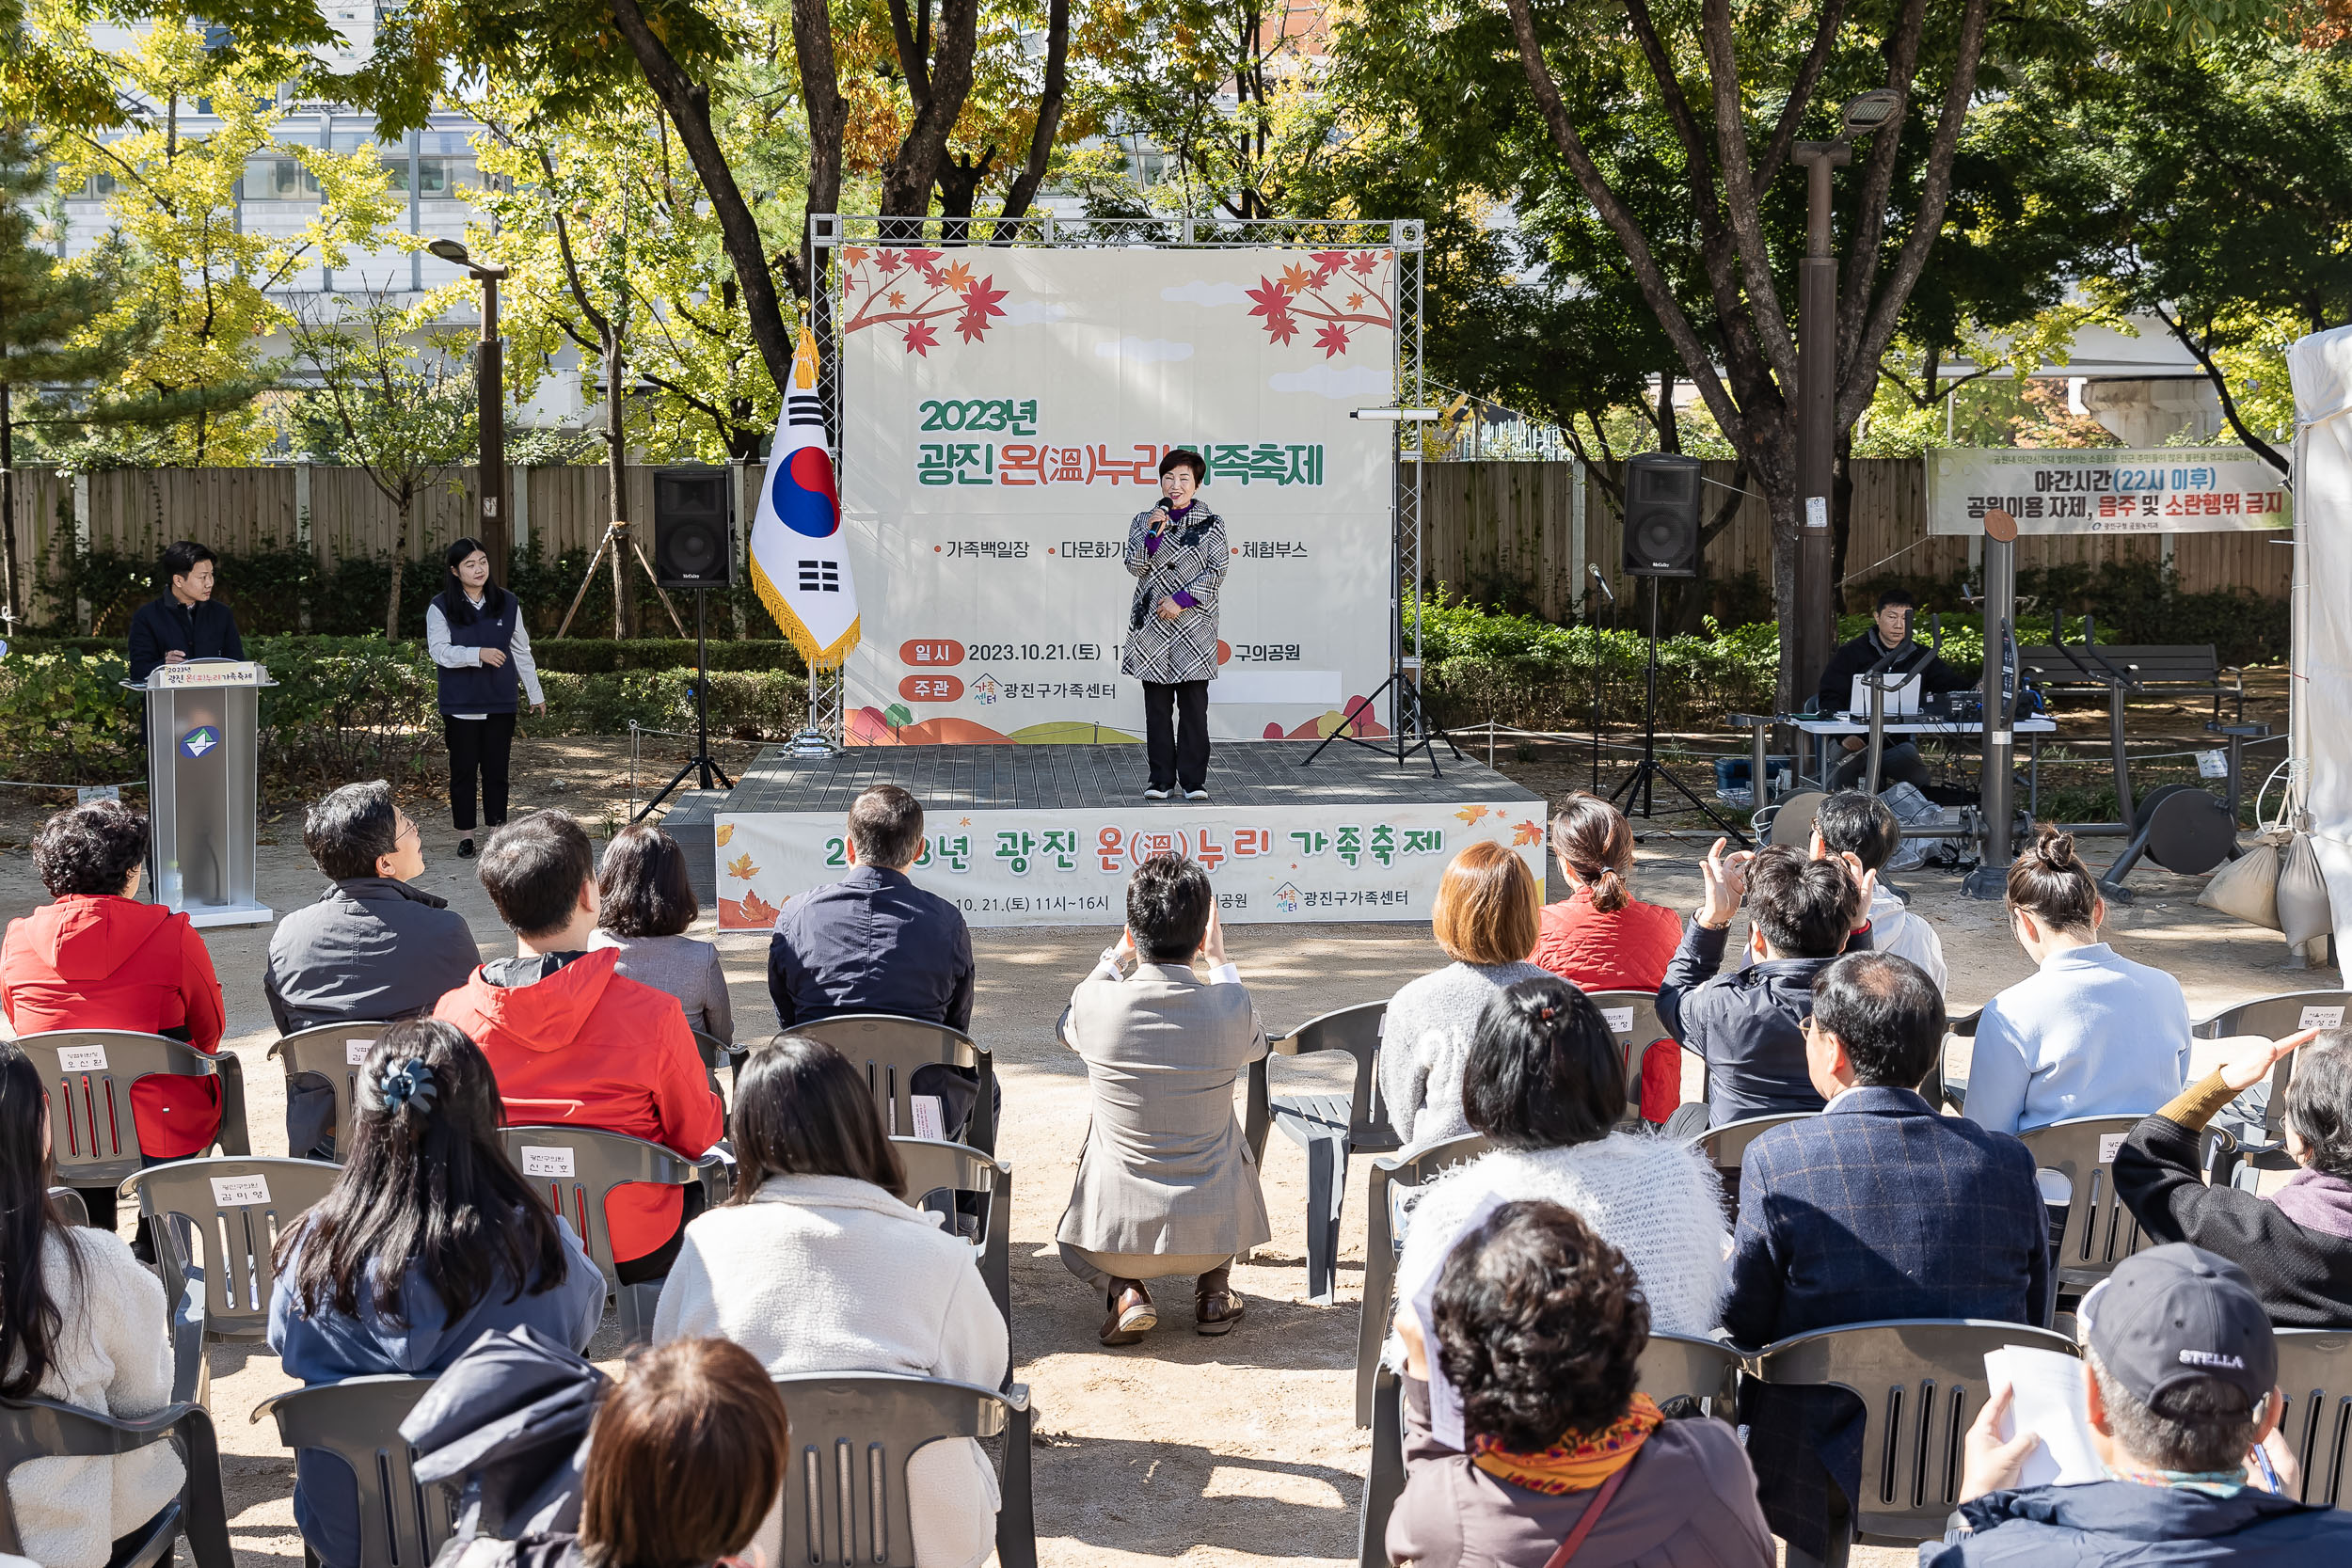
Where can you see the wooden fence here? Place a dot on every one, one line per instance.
(1498, 529)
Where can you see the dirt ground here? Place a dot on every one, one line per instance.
(1234, 1450)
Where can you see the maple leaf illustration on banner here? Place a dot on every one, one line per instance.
(1470, 815)
(1526, 832)
(908, 290)
(727, 831)
(741, 866)
(1274, 306)
(921, 339)
(979, 304)
(1363, 280)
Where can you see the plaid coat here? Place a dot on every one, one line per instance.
(1188, 565)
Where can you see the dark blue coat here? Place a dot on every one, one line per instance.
(1878, 1208)
(2122, 1522)
(206, 629)
(871, 943)
(1748, 1025)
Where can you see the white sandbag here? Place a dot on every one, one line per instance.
(2304, 914)
(2248, 887)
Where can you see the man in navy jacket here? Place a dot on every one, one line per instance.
(185, 622)
(1877, 1208)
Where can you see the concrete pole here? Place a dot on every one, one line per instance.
(1816, 631)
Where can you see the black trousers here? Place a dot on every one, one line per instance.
(478, 745)
(1176, 732)
(1898, 763)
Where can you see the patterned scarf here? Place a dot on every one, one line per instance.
(1577, 1462)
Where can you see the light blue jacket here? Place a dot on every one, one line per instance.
(2091, 1034)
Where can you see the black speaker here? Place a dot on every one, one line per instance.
(694, 537)
(1662, 516)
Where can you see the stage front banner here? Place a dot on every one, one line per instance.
(1004, 415)
(2106, 490)
(1277, 864)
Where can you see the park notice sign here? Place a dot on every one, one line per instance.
(2106, 490)
(1004, 415)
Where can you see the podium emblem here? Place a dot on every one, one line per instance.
(199, 740)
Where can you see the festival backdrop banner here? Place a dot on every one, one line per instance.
(1004, 415)
(1272, 866)
(2106, 490)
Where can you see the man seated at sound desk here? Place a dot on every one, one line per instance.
(1890, 629)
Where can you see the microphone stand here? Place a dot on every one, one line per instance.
(1600, 581)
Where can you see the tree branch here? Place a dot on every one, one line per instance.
(907, 183)
(1860, 273)
(1801, 93)
(1049, 105)
(2198, 349)
(1747, 222)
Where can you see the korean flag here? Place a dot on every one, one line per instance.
(798, 564)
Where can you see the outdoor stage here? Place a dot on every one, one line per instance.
(1046, 836)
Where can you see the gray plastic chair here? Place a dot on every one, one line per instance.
(96, 1142)
(240, 1208)
(2100, 1232)
(1673, 1366)
(716, 1052)
(403, 1522)
(1637, 1010)
(1922, 1382)
(2316, 1370)
(334, 1052)
(958, 1169)
(2273, 1018)
(45, 1429)
(70, 1204)
(887, 1049)
(1328, 1126)
(1393, 1179)
(1724, 1147)
(844, 1489)
(575, 1168)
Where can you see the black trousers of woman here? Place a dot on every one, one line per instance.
(484, 746)
(1177, 742)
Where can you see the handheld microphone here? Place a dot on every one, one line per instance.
(1602, 582)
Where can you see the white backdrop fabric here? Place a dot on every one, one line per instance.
(2320, 366)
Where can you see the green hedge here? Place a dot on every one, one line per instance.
(576, 655)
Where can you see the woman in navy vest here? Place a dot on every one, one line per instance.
(474, 629)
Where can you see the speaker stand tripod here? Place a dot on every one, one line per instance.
(615, 534)
(1410, 720)
(701, 759)
(1650, 769)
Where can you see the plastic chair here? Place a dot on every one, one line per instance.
(845, 1490)
(333, 1051)
(45, 1429)
(1673, 1366)
(576, 1169)
(2273, 1018)
(1632, 1017)
(1327, 1127)
(2316, 1370)
(240, 1208)
(70, 1204)
(1922, 1382)
(958, 1169)
(1936, 1087)
(1393, 1178)
(1724, 1147)
(402, 1522)
(89, 1073)
(2100, 1232)
(887, 1049)
(714, 1052)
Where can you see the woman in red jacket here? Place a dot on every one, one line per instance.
(1602, 937)
(97, 958)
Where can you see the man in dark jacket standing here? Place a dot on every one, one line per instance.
(185, 622)
(2182, 1391)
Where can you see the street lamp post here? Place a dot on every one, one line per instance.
(1817, 378)
(491, 394)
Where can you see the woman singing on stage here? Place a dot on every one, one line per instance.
(1177, 554)
(474, 630)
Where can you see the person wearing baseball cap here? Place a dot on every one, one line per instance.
(2181, 1396)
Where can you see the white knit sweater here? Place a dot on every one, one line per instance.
(112, 1356)
(1656, 1202)
(1424, 1043)
(823, 1274)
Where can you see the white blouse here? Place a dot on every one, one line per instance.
(452, 656)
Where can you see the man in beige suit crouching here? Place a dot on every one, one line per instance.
(1166, 1182)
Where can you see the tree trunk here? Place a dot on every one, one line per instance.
(1840, 518)
(400, 563)
(906, 187)
(959, 179)
(8, 600)
(1024, 185)
(616, 467)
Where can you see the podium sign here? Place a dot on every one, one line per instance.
(201, 796)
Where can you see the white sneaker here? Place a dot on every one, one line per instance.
(1195, 794)
(1155, 793)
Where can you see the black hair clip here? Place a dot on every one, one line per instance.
(411, 1081)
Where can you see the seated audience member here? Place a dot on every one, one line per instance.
(1540, 1325)
(2295, 1244)
(647, 904)
(98, 958)
(1602, 937)
(1853, 823)
(428, 1240)
(1546, 1084)
(81, 1323)
(686, 1459)
(1878, 1208)
(1486, 919)
(1750, 1024)
(372, 947)
(818, 1263)
(1166, 1182)
(571, 1041)
(2183, 1388)
(2091, 1034)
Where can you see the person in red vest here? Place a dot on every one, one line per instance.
(98, 958)
(572, 1042)
(1602, 937)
